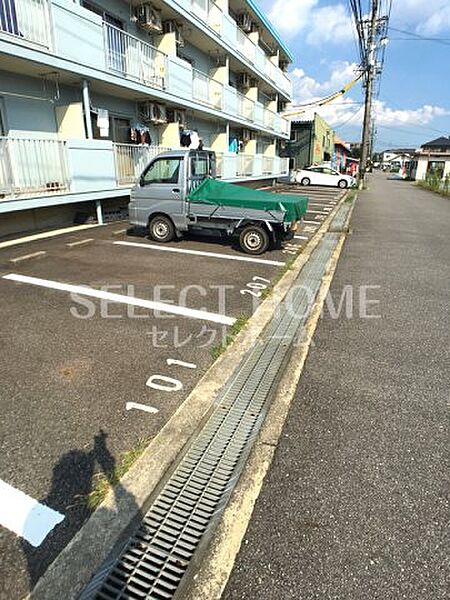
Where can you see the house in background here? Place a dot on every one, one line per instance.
(91, 90)
(431, 159)
(341, 154)
(397, 159)
(312, 142)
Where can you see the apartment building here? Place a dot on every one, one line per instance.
(91, 90)
(311, 141)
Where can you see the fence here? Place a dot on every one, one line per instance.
(207, 90)
(26, 19)
(131, 160)
(131, 57)
(32, 166)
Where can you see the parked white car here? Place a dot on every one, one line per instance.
(323, 176)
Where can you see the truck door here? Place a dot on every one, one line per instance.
(160, 189)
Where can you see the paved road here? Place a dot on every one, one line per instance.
(355, 505)
(66, 381)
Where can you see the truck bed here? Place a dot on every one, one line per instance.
(219, 195)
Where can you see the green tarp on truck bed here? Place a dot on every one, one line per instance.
(213, 191)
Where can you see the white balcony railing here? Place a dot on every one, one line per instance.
(268, 165)
(244, 165)
(31, 166)
(131, 160)
(207, 90)
(245, 45)
(131, 57)
(269, 118)
(26, 19)
(246, 107)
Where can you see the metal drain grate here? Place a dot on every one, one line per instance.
(184, 513)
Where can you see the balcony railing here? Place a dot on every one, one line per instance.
(244, 165)
(246, 107)
(32, 166)
(269, 118)
(26, 19)
(245, 45)
(207, 90)
(268, 165)
(131, 160)
(133, 58)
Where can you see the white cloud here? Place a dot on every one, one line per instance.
(291, 16)
(426, 18)
(329, 24)
(420, 116)
(319, 24)
(306, 88)
(345, 109)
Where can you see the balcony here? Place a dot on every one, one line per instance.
(27, 20)
(131, 57)
(207, 90)
(32, 167)
(130, 161)
(39, 169)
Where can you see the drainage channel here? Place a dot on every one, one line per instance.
(159, 558)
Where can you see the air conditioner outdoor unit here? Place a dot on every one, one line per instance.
(244, 80)
(245, 22)
(152, 112)
(176, 115)
(174, 27)
(158, 113)
(148, 17)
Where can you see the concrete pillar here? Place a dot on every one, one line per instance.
(271, 149)
(166, 43)
(87, 110)
(254, 36)
(275, 58)
(98, 208)
(252, 93)
(169, 135)
(273, 104)
(223, 5)
(250, 147)
(219, 142)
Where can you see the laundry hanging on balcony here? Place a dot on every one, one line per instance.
(189, 139)
(103, 122)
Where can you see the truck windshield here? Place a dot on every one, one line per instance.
(162, 170)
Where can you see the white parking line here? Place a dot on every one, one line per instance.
(317, 212)
(311, 222)
(80, 242)
(301, 237)
(122, 299)
(261, 261)
(25, 516)
(143, 407)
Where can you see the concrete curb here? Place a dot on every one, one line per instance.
(106, 528)
(212, 577)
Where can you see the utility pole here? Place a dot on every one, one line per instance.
(371, 70)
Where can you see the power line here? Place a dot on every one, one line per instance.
(417, 37)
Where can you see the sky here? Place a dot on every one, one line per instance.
(413, 105)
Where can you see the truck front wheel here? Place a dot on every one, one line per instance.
(161, 229)
(253, 239)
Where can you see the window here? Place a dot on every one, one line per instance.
(316, 169)
(199, 166)
(163, 170)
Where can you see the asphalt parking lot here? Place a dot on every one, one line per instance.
(104, 334)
